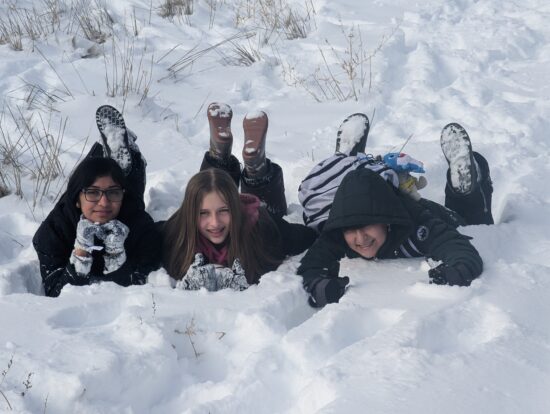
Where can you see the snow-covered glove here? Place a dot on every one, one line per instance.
(200, 274)
(447, 275)
(233, 278)
(82, 264)
(85, 232)
(328, 290)
(115, 234)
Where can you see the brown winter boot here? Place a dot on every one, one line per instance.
(255, 129)
(221, 138)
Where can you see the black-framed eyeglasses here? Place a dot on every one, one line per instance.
(95, 194)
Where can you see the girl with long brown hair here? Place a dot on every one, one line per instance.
(219, 238)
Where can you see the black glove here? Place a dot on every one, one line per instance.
(447, 275)
(328, 290)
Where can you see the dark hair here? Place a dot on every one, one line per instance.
(181, 233)
(89, 170)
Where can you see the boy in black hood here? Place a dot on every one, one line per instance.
(370, 218)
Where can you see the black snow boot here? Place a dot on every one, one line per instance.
(469, 187)
(352, 134)
(114, 136)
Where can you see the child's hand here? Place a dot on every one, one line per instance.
(448, 275)
(85, 232)
(328, 290)
(115, 234)
(233, 278)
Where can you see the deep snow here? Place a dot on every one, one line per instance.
(394, 344)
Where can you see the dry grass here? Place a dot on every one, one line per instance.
(275, 18)
(128, 70)
(185, 63)
(30, 149)
(175, 9)
(343, 73)
(20, 23)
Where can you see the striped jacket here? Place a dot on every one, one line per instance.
(317, 190)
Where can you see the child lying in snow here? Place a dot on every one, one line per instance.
(219, 238)
(317, 190)
(99, 230)
(368, 217)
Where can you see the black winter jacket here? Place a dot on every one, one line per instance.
(416, 229)
(54, 243)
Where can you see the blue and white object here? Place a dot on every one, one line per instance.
(401, 162)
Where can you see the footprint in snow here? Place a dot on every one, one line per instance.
(465, 328)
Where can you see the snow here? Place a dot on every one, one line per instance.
(351, 132)
(394, 344)
(220, 109)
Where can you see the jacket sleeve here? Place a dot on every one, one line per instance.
(441, 241)
(295, 237)
(322, 261)
(53, 247)
(56, 272)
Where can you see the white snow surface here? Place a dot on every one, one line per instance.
(394, 343)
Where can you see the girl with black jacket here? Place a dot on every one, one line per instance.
(99, 230)
(370, 218)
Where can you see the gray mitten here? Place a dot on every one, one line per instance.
(84, 240)
(85, 232)
(233, 278)
(115, 234)
(199, 275)
(82, 264)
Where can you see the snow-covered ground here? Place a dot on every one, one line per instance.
(394, 344)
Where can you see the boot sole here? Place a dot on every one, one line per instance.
(457, 150)
(107, 116)
(353, 133)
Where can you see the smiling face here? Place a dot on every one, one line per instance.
(103, 210)
(367, 240)
(214, 218)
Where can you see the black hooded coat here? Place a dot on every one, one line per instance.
(416, 229)
(54, 243)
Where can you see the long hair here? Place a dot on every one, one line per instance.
(181, 232)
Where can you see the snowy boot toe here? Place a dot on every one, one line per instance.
(255, 129)
(221, 138)
(352, 134)
(457, 148)
(114, 136)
